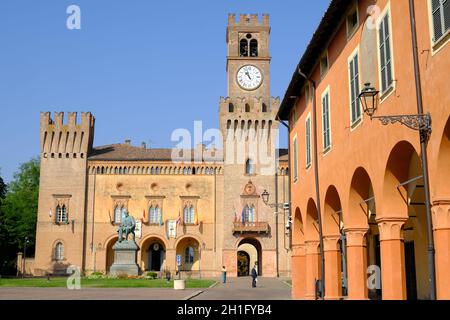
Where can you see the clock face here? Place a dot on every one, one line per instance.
(249, 77)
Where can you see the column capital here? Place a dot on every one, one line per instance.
(312, 247)
(331, 243)
(440, 214)
(391, 228)
(298, 250)
(356, 237)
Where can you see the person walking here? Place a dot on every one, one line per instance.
(254, 276)
(224, 274)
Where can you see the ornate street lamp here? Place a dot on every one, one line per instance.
(368, 98)
(419, 122)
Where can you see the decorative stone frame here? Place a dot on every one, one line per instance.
(249, 197)
(187, 201)
(155, 201)
(118, 201)
(61, 200)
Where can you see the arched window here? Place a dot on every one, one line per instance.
(59, 251)
(157, 170)
(247, 107)
(243, 48)
(185, 171)
(61, 214)
(155, 215)
(249, 167)
(120, 170)
(125, 170)
(189, 214)
(118, 213)
(153, 171)
(253, 48)
(264, 107)
(230, 107)
(189, 255)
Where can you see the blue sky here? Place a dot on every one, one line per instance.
(143, 68)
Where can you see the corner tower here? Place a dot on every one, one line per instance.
(61, 222)
(250, 134)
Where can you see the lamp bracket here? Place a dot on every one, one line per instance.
(418, 122)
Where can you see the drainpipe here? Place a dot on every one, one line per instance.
(316, 176)
(423, 151)
(289, 177)
(276, 220)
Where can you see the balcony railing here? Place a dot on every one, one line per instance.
(247, 227)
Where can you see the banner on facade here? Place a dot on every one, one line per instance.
(138, 229)
(171, 229)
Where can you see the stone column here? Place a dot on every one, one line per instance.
(333, 283)
(312, 268)
(298, 271)
(393, 277)
(356, 263)
(441, 231)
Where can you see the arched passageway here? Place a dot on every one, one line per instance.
(153, 254)
(403, 227)
(334, 248)
(298, 257)
(249, 254)
(362, 240)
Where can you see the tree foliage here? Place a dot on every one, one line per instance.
(18, 214)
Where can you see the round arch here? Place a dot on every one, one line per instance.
(153, 253)
(332, 213)
(251, 247)
(442, 184)
(109, 243)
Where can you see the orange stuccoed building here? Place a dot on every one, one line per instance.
(371, 198)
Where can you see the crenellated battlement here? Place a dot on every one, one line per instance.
(248, 20)
(60, 139)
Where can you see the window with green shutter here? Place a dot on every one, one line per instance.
(440, 10)
(295, 159)
(354, 90)
(326, 122)
(308, 142)
(385, 54)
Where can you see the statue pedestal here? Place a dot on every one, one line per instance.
(125, 253)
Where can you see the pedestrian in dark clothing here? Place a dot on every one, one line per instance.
(254, 276)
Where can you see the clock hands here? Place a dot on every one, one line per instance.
(248, 75)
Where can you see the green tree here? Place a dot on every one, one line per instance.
(18, 214)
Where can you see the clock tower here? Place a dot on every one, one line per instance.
(250, 136)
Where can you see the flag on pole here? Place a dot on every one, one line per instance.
(179, 217)
(143, 216)
(195, 218)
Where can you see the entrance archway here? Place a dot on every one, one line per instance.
(153, 254)
(189, 250)
(249, 248)
(362, 239)
(404, 194)
(243, 263)
(334, 248)
(110, 253)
